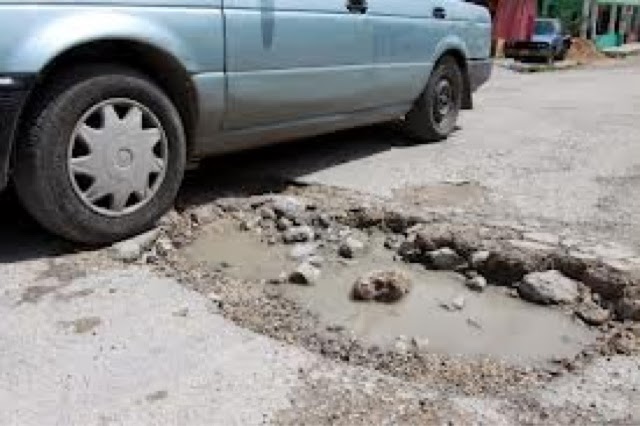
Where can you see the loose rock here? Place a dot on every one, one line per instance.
(351, 248)
(479, 258)
(323, 220)
(306, 274)
(550, 287)
(420, 343)
(316, 260)
(382, 286)
(288, 206)
(458, 303)
(283, 224)
(132, 249)
(592, 314)
(267, 213)
(202, 214)
(298, 234)
(302, 251)
(393, 242)
(164, 246)
(478, 283)
(628, 309)
(446, 259)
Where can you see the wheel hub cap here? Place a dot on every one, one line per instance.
(117, 157)
(443, 99)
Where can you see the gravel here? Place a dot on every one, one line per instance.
(298, 234)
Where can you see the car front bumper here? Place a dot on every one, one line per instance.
(528, 50)
(14, 90)
(479, 72)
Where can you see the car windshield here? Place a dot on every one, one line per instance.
(544, 28)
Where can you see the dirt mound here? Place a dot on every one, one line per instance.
(584, 51)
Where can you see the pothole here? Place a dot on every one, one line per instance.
(489, 324)
(238, 253)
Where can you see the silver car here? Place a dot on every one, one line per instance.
(103, 102)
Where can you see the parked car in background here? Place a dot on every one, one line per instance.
(103, 102)
(549, 43)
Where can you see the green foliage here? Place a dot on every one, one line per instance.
(568, 11)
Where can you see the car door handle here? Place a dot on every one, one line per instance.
(357, 6)
(439, 13)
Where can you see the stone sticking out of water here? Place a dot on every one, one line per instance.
(477, 283)
(382, 286)
(351, 248)
(305, 274)
(549, 287)
(446, 259)
(527, 333)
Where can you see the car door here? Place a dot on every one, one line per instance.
(290, 60)
(406, 36)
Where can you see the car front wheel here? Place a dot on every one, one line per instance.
(101, 155)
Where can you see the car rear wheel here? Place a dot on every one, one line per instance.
(435, 113)
(101, 155)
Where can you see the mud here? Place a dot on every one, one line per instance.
(491, 324)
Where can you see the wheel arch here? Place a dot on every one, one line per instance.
(456, 50)
(160, 66)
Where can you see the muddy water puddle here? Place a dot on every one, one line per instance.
(490, 324)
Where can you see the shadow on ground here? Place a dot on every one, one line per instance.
(265, 170)
(270, 169)
(21, 238)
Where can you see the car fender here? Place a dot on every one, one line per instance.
(451, 43)
(66, 31)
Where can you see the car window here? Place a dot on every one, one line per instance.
(544, 28)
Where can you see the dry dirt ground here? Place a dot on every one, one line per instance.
(86, 339)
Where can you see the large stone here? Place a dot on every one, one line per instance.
(382, 286)
(592, 314)
(351, 248)
(446, 259)
(288, 206)
(298, 234)
(305, 273)
(606, 282)
(549, 287)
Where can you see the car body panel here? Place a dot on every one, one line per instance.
(194, 36)
(272, 78)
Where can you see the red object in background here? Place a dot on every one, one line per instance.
(515, 19)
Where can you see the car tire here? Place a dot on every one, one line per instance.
(562, 55)
(95, 133)
(430, 120)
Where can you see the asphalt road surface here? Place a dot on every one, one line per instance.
(85, 344)
(557, 149)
